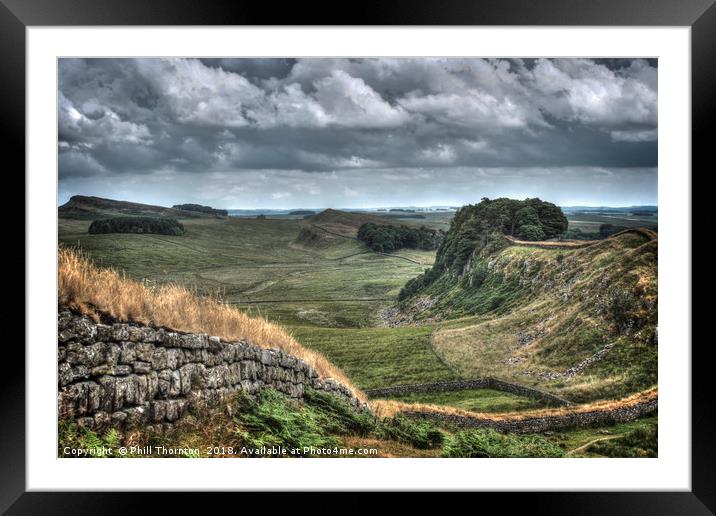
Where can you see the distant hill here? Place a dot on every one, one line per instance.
(348, 223)
(634, 210)
(86, 207)
(202, 209)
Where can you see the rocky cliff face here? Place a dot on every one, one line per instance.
(125, 374)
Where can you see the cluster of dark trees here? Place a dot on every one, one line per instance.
(384, 238)
(201, 209)
(531, 219)
(477, 228)
(154, 225)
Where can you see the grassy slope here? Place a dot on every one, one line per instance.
(543, 312)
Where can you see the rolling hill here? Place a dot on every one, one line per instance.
(86, 207)
(346, 223)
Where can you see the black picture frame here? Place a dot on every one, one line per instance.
(700, 15)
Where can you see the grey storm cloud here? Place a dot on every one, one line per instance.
(129, 122)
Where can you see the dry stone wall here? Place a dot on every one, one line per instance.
(476, 383)
(126, 374)
(543, 423)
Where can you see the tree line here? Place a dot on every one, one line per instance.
(385, 238)
(154, 225)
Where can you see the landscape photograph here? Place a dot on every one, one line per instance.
(369, 257)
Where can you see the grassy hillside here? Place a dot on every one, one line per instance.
(534, 313)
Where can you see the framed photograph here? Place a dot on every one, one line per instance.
(451, 247)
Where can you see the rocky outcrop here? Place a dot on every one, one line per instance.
(477, 383)
(126, 374)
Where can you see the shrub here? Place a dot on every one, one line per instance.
(620, 306)
(154, 225)
(486, 443)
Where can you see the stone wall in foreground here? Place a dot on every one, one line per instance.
(123, 374)
(461, 385)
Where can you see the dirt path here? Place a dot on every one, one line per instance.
(587, 445)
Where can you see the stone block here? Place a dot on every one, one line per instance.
(120, 332)
(175, 358)
(64, 374)
(144, 351)
(142, 367)
(128, 352)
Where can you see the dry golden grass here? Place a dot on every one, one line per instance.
(389, 408)
(94, 291)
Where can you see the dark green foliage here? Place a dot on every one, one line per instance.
(420, 434)
(261, 216)
(531, 232)
(340, 417)
(73, 437)
(201, 209)
(275, 420)
(486, 443)
(154, 225)
(386, 239)
(642, 442)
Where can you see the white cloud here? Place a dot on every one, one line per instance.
(103, 123)
(580, 90)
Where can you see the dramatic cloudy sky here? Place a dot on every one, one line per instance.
(248, 133)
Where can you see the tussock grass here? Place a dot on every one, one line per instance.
(94, 291)
(486, 443)
(389, 408)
